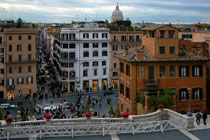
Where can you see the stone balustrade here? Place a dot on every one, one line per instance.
(166, 114)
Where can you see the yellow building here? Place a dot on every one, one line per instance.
(17, 62)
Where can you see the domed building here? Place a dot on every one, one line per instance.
(117, 15)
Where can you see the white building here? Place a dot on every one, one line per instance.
(82, 58)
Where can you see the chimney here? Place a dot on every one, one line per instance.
(139, 53)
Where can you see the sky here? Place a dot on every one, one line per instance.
(65, 11)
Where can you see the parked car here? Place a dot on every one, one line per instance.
(52, 107)
(5, 106)
(12, 106)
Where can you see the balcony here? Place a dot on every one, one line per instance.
(68, 59)
(23, 61)
(151, 82)
(114, 40)
(10, 87)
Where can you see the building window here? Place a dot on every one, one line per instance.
(19, 48)
(29, 37)
(104, 35)
(121, 67)
(127, 93)
(29, 80)
(171, 34)
(10, 70)
(10, 58)
(85, 73)
(65, 46)
(95, 35)
(1, 71)
(121, 88)
(115, 74)
(10, 81)
(173, 71)
(95, 54)
(104, 71)
(71, 65)
(172, 50)
(72, 74)
(162, 71)
(104, 53)
(95, 72)
(141, 72)
(95, 63)
(85, 35)
(19, 58)
(19, 37)
(115, 65)
(29, 68)
(1, 40)
(123, 38)
(104, 45)
(162, 34)
(197, 94)
(103, 63)
(29, 47)
(10, 48)
(85, 54)
(123, 47)
(162, 50)
(72, 46)
(114, 48)
(95, 45)
(197, 71)
(72, 56)
(183, 71)
(20, 69)
(86, 45)
(10, 37)
(20, 80)
(127, 70)
(29, 57)
(86, 64)
(183, 94)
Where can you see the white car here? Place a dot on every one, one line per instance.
(49, 108)
(5, 106)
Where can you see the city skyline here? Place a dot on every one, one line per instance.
(189, 11)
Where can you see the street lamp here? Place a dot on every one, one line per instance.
(189, 114)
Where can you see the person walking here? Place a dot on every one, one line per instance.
(205, 115)
(198, 117)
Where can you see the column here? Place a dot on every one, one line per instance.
(146, 102)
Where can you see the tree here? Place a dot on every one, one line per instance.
(1, 114)
(86, 107)
(118, 113)
(25, 115)
(111, 110)
(19, 22)
(31, 108)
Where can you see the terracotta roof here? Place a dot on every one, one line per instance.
(131, 56)
(153, 27)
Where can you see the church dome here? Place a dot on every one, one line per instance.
(117, 15)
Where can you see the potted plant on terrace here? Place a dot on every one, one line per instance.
(88, 115)
(9, 120)
(161, 106)
(125, 115)
(48, 117)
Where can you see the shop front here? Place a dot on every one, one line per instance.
(104, 84)
(86, 86)
(95, 85)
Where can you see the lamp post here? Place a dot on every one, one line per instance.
(189, 114)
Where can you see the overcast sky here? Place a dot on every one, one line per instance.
(186, 11)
